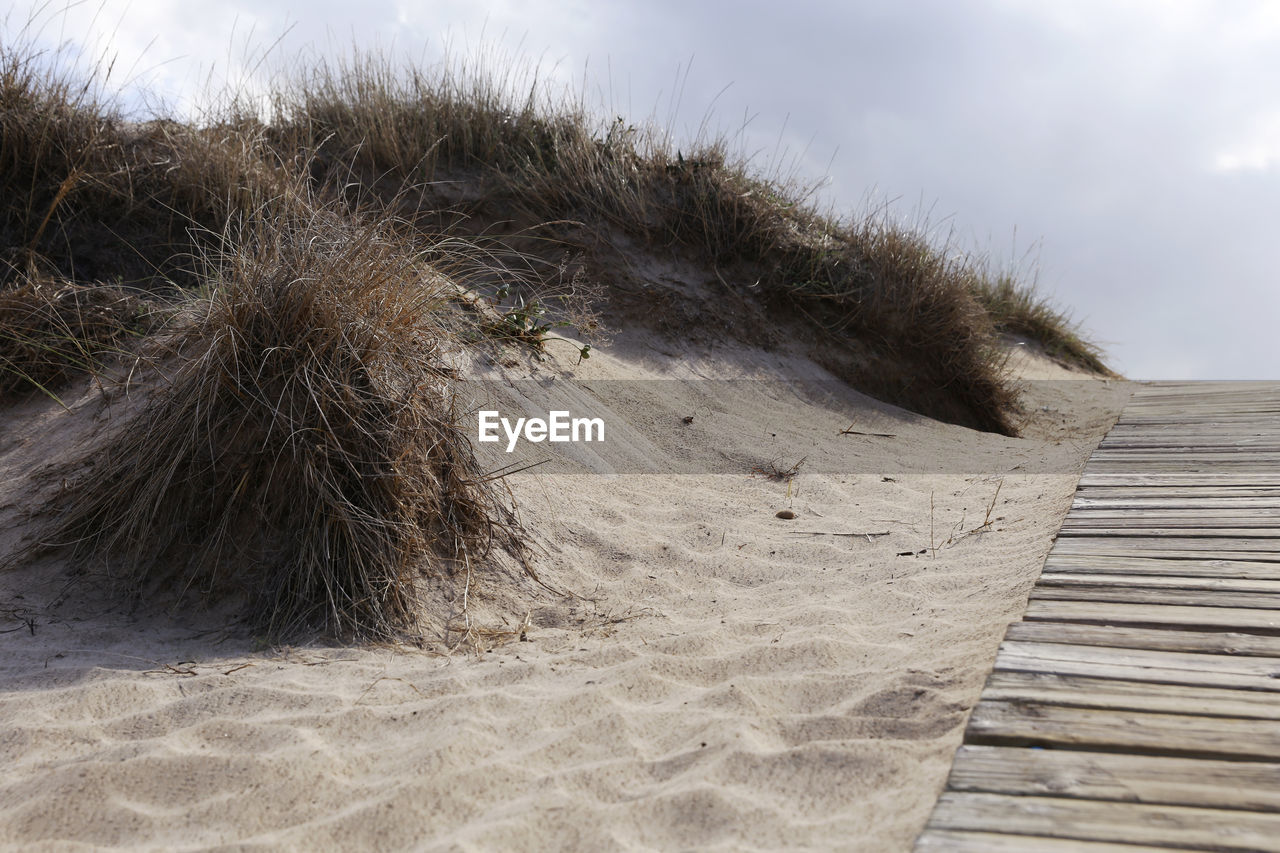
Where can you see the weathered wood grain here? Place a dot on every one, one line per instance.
(1084, 580)
(1155, 780)
(1093, 478)
(1169, 566)
(1179, 827)
(951, 841)
(1155, 615)
(1116, 694)
(1206, 670)
(1144, 595)
(1159, 639)
(1235, 548)
(1026, 723)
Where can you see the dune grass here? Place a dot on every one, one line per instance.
(51, 330)
(308, 432)
(933, 315)
(298, 445)
(1017, 310)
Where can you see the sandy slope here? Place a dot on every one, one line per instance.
(719, 679)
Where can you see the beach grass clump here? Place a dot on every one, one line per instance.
(91, 196)
(52, 330)
(304, 453)
(1018, 310)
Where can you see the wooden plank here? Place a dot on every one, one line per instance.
(951, 841)
(1158, 639)
(1183, 528)
(1199, 420)
(1140, 595)
(1249, 432)
(1084, 580)
(1211, 452)
(1156, 490)
(1152, 615)
(1255, 447)
(1215, 405)
(1246, 423)
(1053, 726)
(1244, 516)
(1181, 504)
(1191, 418)
(1207, 453)
(1073, 547)
(1219, 523)
(1181, 404)
(1236, 672)
(1185, 465)
(1237, 548)
(1249, 391)
(1177, 408)
(1133, 415)
(1177, 514)
(1188, 525)
(1221, 440)
(1173, 539)
(1083, 691)
(1185, 462)
(1216, 455)
(1114, 497)
(1156, 780)
(1094, 479)
(1162, 549)
(1198, 494)
(1179, 827)
(1169, 566)
(1207, 468)
(1141, 408)
(1270, 536)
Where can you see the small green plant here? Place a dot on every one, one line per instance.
(527, 322)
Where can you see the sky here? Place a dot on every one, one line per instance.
(1124, 154)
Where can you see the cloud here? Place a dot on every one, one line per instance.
(1257, 151)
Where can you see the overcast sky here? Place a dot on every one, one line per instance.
(1132, 147)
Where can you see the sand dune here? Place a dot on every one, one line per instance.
(714, 678)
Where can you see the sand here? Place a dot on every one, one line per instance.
(716, 678)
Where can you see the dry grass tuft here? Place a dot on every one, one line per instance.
(304, 453)
(95, 197)
(51, 330)
(1018, 311)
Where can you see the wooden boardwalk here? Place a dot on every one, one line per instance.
(1137, 704)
